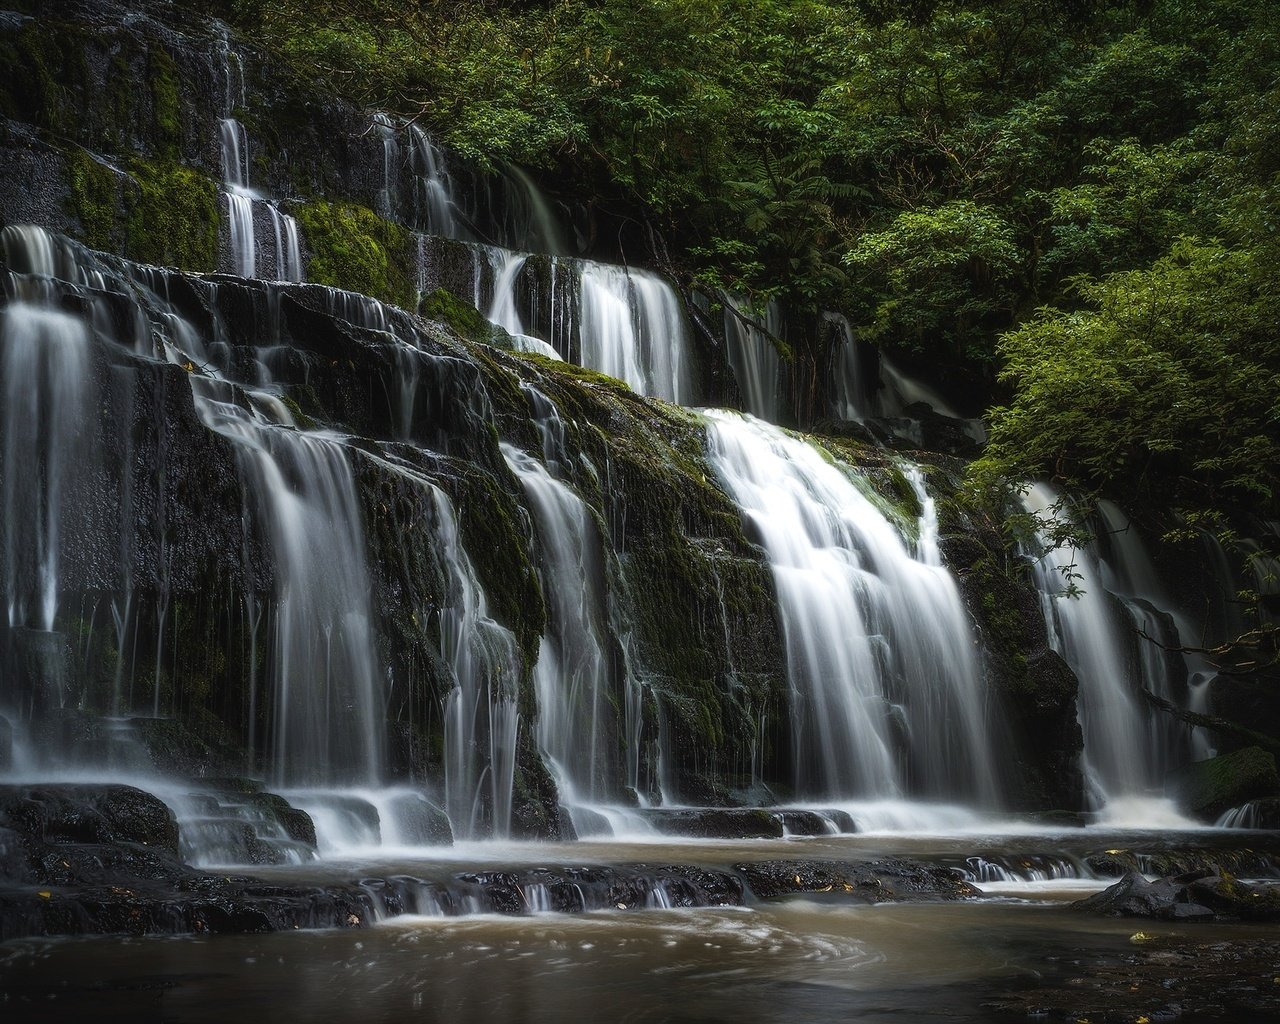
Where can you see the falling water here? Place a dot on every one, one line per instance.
(435, 210)
(572, 672)
(632, 326)
(1125, 753)
(241, 197)
(753, 354)
(328, 708)
(46, 389)
(853, 400)
(887, 692)
(481, 716)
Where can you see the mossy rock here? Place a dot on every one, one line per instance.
(171, 217)
(93, 198)
(464, 319)
(351, 247)
(1209, 788)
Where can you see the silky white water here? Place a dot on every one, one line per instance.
(887, 691)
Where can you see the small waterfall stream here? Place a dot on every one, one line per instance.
(243, 201)
(753, 354)
(1098, 609)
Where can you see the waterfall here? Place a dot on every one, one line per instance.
(241, 199)
(504, 268)
(481, 717)
(852, 400)
(753, 354)
(510, 210)
(887, 692)
(632, 326)
(327, 717)
(435, 210)
(572, 676)
(1095, 609)
(47, 405)
(627, 323)
(388, 198)
(1128, 573)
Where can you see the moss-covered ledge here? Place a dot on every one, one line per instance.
(352, 248)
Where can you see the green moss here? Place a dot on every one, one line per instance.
(488, 522)
(353, 248)
(93, 198)
(118, 101)
(37, 74)
(465, 320)
(303, 421)
(1210, 787)
(166, 109)
(171, 217)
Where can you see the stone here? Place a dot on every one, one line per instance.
(1211, 787)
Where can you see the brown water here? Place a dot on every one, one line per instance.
(793, 961)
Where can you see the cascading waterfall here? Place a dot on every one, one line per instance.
(241, 197)
(632, 326)
(326, 684)
(435, 211)
(482, 719)
(888, 695)
(852, 399)
(753, 354)
(1129, 575)
(1126, 750)
(47, 403)
(625, 322)
(572, 674)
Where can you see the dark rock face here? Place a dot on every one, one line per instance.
(85, 814)
(716, 823)
(873, 882)
(1191, 897)
(1037, 689)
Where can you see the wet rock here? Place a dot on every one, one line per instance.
(579, 889)
(810, 823)
(716, 823)
(297, 823)
(1211, 787)
(1190, 897)
(1246, 863)
(883, 881)
(88, 814)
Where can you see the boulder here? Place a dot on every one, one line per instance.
(1209, 788)
(1191, 897)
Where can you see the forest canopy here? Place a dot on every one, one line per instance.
(1075, 203)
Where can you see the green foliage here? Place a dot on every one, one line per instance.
(353, 248)
(1163, 389)
(1099, 183)
(943, 273)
